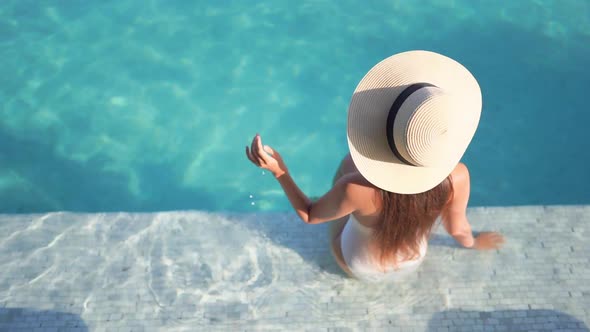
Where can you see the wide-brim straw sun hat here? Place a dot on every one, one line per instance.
(411, 119)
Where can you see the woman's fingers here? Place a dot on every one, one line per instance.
(253, 148)
(497, 237)
(260, 149)
(496, 240)
(269, 150)
(489, 240)
(252, 159)
(255, 151)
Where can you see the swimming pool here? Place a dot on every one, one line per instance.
(135, 106)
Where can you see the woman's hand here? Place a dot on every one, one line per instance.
(488, 241)
(265, 157)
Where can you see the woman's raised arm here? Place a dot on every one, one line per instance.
(336, 203)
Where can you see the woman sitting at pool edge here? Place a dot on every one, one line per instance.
(410, 121)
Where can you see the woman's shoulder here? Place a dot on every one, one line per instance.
(365, 197)
(460, 175)
(356, 182)
(359, 190)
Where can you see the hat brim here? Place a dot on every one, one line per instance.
(369, 107)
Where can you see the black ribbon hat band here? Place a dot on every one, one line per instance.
(397, 104)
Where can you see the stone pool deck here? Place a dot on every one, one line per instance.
(197, 271)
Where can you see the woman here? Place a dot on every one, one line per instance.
(410, 121)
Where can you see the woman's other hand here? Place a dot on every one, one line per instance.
(265, 157)
(488, 241)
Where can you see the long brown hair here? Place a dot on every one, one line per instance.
(407, 219)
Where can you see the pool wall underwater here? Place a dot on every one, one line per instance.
(189, 270)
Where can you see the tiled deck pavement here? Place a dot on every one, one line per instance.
(201, 271)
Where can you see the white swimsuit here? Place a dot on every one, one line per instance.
(355, 240)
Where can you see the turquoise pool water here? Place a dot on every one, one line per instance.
(147, 105)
